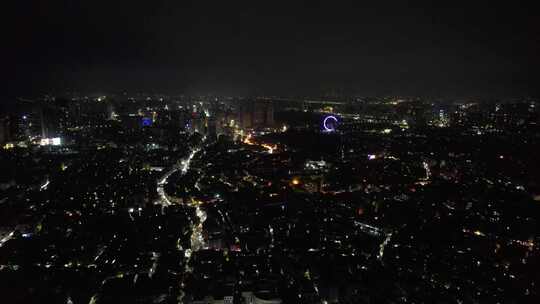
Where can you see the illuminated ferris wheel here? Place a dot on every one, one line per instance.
(330, 123)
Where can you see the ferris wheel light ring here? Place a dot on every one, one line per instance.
(326, 120)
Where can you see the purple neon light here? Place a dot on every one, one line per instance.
(326, 119)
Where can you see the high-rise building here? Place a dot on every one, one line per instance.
(256, 114)
(50, 121)
(212, 128)
(417, 114)
(5, 130)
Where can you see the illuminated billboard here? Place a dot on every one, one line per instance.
(55, 141)
(146, 121)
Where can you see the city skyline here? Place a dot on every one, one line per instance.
(189, 152)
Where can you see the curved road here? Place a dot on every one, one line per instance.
(185, 164)
(197, 239)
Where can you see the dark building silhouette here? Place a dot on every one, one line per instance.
(6, 133)
(256, 114)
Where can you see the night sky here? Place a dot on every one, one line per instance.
(442, 48)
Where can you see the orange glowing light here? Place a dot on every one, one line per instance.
(247, 140)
